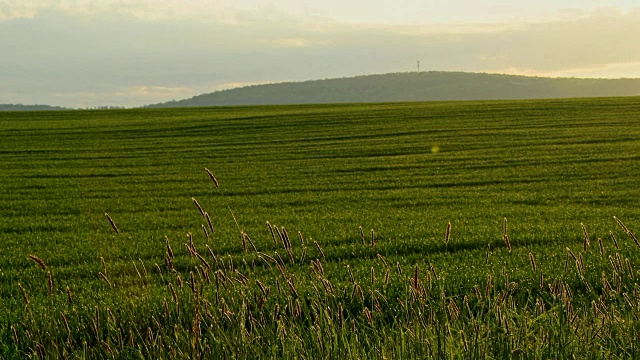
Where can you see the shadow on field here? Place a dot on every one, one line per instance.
(352, 248)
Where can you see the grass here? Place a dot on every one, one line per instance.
(438, 278)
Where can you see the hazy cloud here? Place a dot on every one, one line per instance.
(126, 52)
(123, 96)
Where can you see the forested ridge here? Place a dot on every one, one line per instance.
(413, 86)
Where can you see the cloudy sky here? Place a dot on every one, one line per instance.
(84, 53)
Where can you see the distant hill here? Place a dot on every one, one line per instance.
(413, 86)
(20, 107)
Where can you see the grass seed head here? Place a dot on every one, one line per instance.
(158, 269)
(169, 250)
(69, 295)
(614, 267)
(504, 226)
(192, 245)
(292, 287)
(319, 249)
(213, 256)
(206, 215)
(447, 234)
(304, 255)
(285, 239)
(24, 294)
(532, 259)
(251, 242)
(273, 235)
(586, 237)
(622, 225)
(629, 232)
(50, 283)
(206, 233)
(204, 262)
(368, 316)
(168, 261)
(264, 289)
(243, 239)
(113, 224)
(613, 238)
(601, 246)
(507, 242)
(629, 268)
(16, 339)
(384, 262)
(104, 277)
(213, 178)
(38, 261)
(198, 206)
(373, 238)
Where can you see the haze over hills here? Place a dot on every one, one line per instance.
(21, 107)
(413, 86)
(397, 87)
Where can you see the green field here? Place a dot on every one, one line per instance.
(557, 170)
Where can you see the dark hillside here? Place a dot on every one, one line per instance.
(423, 86)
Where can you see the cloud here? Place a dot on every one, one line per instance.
(235, 84)
(10, 9)
(119, 54)
(603, 38)
(617, 70)
(130, 96)
(157, 91)
(203, 11)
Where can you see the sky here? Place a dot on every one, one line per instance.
(88, 53)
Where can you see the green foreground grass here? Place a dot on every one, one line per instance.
(284, 270)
